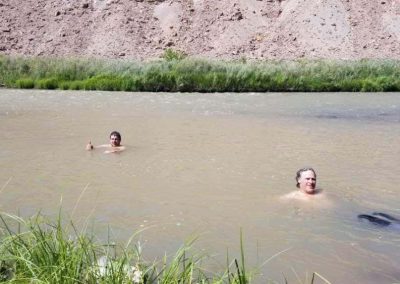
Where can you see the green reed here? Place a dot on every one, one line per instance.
(183, 74)
(39, 250)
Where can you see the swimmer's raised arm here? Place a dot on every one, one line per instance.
(89, 146)
(113, 147)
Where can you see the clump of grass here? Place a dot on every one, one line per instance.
(48, 83)
(43, 252)
(26, 83)
(172, 54)
(37, 250)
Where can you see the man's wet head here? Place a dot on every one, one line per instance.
(306, 179)
(115, 139)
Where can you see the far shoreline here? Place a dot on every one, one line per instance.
(175, 72)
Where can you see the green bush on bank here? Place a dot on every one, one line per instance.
(178, 73)
(26, 83)
(48, 83)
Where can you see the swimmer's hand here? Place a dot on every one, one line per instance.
(89, 146)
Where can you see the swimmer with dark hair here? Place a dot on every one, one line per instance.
(113, 147)
(380, 219)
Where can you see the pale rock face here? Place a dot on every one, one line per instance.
(224, 29)
(169, 15)
(391, 22)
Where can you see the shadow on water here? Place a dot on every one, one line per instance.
(361, 115)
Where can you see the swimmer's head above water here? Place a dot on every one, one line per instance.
(113, 147)
(115, 139)
(306, 180)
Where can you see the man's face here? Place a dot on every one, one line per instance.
(307, 182)
(114, 141)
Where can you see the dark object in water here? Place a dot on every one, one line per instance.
(374, 220)
(387, 216)
(380, 219)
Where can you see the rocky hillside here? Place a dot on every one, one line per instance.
(140, 29)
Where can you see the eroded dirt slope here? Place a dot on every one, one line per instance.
(141, 29)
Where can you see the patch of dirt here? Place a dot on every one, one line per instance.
(226, 29)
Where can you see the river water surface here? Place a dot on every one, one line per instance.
(209, 165)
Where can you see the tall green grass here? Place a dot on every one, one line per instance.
(39, 250)
(177, 73)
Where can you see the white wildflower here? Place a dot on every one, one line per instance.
(102, 265)
(135, 274)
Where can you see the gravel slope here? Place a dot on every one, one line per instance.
(141, 29)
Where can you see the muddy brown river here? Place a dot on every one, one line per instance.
(209, 165)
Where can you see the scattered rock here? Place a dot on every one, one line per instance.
(237, 16)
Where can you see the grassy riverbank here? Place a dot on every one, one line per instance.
(38, 250)
(175, 73)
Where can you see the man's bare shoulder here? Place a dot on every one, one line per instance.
(294, 195)
(319, 199)
(104, 146)
(114, 149)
